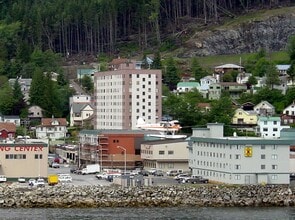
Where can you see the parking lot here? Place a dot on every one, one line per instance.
(92, 180)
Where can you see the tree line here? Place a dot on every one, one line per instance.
(103, 26)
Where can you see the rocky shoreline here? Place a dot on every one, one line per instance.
(68, 196)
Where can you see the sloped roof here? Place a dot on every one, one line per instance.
(14, 117)
(264, 102)
(229, 66)
(188, 84)
(118, 61)
(231, 84)
(263, 118)
(48, 121)
(78, 107)
(8, 126)
(283, 67)
(204, 105)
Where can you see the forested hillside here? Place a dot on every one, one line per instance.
(109, 26)
(40, 36)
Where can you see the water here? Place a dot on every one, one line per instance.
(284, 213)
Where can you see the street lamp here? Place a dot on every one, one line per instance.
(100, 151)
(124, 149)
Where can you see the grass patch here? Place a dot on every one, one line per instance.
(211, 61)
(257, 16)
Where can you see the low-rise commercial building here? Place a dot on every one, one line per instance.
(29, 160)
(165, 155)
(239, 160)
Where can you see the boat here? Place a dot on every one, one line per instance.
(165, 129)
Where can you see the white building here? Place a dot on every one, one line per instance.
(290, 110)
(125, 94)
(269, 127)
(80, 99)
(165, 155)
(264, 108)
(238, 160)
(80, 113)
(52, 128)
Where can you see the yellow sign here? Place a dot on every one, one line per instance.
(248, 152)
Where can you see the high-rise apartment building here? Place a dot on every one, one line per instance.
(125, 93)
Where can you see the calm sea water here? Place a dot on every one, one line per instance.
(151, 213)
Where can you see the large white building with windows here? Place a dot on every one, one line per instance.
(239, 160)
(126, 93)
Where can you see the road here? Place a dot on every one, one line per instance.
(77, 87)
(78, 179)
(92, 180)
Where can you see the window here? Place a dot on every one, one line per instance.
(274, 167)
(265, 129)
(237, 177)
(262, 166)
(275, 129)
(170, 165)
(274, 156)
(262, 156)
(262, 147)
(274, 147)
(161, 152)
(238, 156)
(170, 152)
(274, 177)
(237, 167)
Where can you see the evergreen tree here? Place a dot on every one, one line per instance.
(19, 102)
(37, 88)
(171, 76)
(227, 77)
(222, 112)
(6, 99)
(252, 81)
(197, 70)
(87, 84)
(157, 61)
(291, 48)
(291, 71)
(261, 67)
(290, 96)
(272, 76)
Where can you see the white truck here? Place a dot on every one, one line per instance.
(91, 169)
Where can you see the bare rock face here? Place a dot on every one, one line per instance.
(271, 34)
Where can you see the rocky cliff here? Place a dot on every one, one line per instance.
(271, 34)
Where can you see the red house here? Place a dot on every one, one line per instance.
(7, 130)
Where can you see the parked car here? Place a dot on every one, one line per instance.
(144, 173)
(195, 179)
(158, 173)
(73, 169)
(21, 180)
(174, 172)
(65, 178)
(2, 179)
(180, 177)
(32, 182)
(152, 171)
(55, 165)
(40, 182)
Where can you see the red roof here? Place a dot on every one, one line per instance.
(48, 121)
(8, 126)
(118, 61)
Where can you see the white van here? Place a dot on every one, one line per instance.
(64, 178)
(174, 172)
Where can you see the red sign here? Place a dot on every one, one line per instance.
(21, 148)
